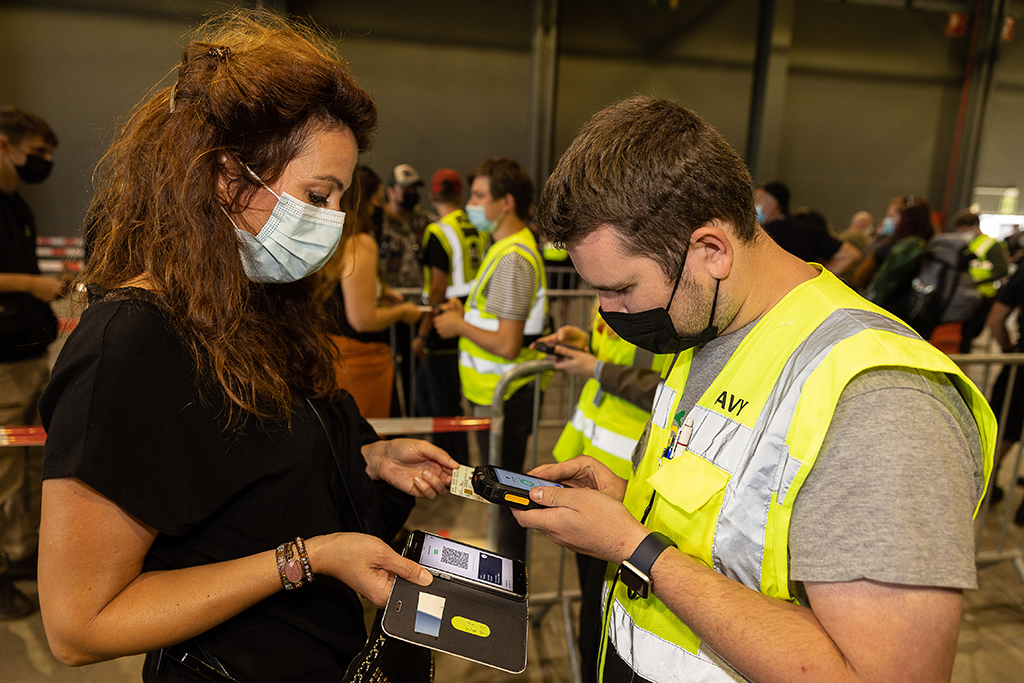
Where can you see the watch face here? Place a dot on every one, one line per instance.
(635, 580)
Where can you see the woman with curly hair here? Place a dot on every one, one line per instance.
(199, 462)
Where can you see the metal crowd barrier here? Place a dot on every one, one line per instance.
(386, 426)
(998, 545)
(542, 601)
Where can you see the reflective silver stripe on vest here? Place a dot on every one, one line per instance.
(457, 286)
(656, 659)
(475, 317)
(600, 437)
(483, 366)
(759, 457)
(534, 324)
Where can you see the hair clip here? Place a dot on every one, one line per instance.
(219, 53)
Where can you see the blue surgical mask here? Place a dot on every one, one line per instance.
(296, 241)
(760, 214)
(478, 217)
(888, 226)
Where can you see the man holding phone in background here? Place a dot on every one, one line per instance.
(795, 532)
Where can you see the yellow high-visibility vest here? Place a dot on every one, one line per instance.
(727, 499)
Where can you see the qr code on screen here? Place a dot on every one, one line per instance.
(455, 558)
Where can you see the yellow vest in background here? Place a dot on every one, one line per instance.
(981, 267)
(605, 426)
(465, 247)
(480, 370)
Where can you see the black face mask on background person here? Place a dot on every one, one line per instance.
(36, 169)
(410, 200)
(653, 329)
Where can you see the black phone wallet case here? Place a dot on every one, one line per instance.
(455, 618)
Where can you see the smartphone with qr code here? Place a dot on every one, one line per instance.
(468, 564)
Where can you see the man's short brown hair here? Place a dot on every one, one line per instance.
(17, 125)
(966, 218)
(507, 177)
(655, 172)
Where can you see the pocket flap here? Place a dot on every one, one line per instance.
(689, 481)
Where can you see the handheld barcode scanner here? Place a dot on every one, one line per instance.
(467, 564)
(507, 488)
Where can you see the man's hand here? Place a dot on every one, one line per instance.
(584, 471)
(585, 521)
(574, 361)
(416, 467)
(448, 322)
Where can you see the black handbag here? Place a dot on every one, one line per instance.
(383, 659)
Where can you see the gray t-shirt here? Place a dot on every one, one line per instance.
(891, 495)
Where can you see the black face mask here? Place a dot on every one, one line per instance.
(410, 200)
(653, 329)
(35, 169)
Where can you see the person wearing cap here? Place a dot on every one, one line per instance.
(803, 241)
(27, 326)
(402, 233)
(452, 251)
(405, 221)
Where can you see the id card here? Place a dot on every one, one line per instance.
(462, 484)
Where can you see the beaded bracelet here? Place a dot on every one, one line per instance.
(304, 559)
(291, 570)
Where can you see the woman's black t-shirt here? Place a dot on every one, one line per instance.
(124, 415)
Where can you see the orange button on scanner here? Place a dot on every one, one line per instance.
(512, 498)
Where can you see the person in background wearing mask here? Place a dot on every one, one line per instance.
(798, 237)
(27, 326)
(402, 231)
(399, 243)
(209, 497)
(778, 520)
(505, 312)
(452, 252)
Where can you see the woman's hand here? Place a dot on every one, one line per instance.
(364, 563)
(410, 312)
(416, 467)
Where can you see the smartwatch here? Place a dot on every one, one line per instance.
(636, 571)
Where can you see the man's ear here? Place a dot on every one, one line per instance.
(508, 203)
(714, 245)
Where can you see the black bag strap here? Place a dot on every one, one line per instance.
(337, 461)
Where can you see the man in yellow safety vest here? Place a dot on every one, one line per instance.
(505, 311)
(987, 266)
(779, 519)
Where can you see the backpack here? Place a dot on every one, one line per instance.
(894, 274)
(941, 290)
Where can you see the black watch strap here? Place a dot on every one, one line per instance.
(636, 571)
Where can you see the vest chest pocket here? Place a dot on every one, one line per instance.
(691, 491)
